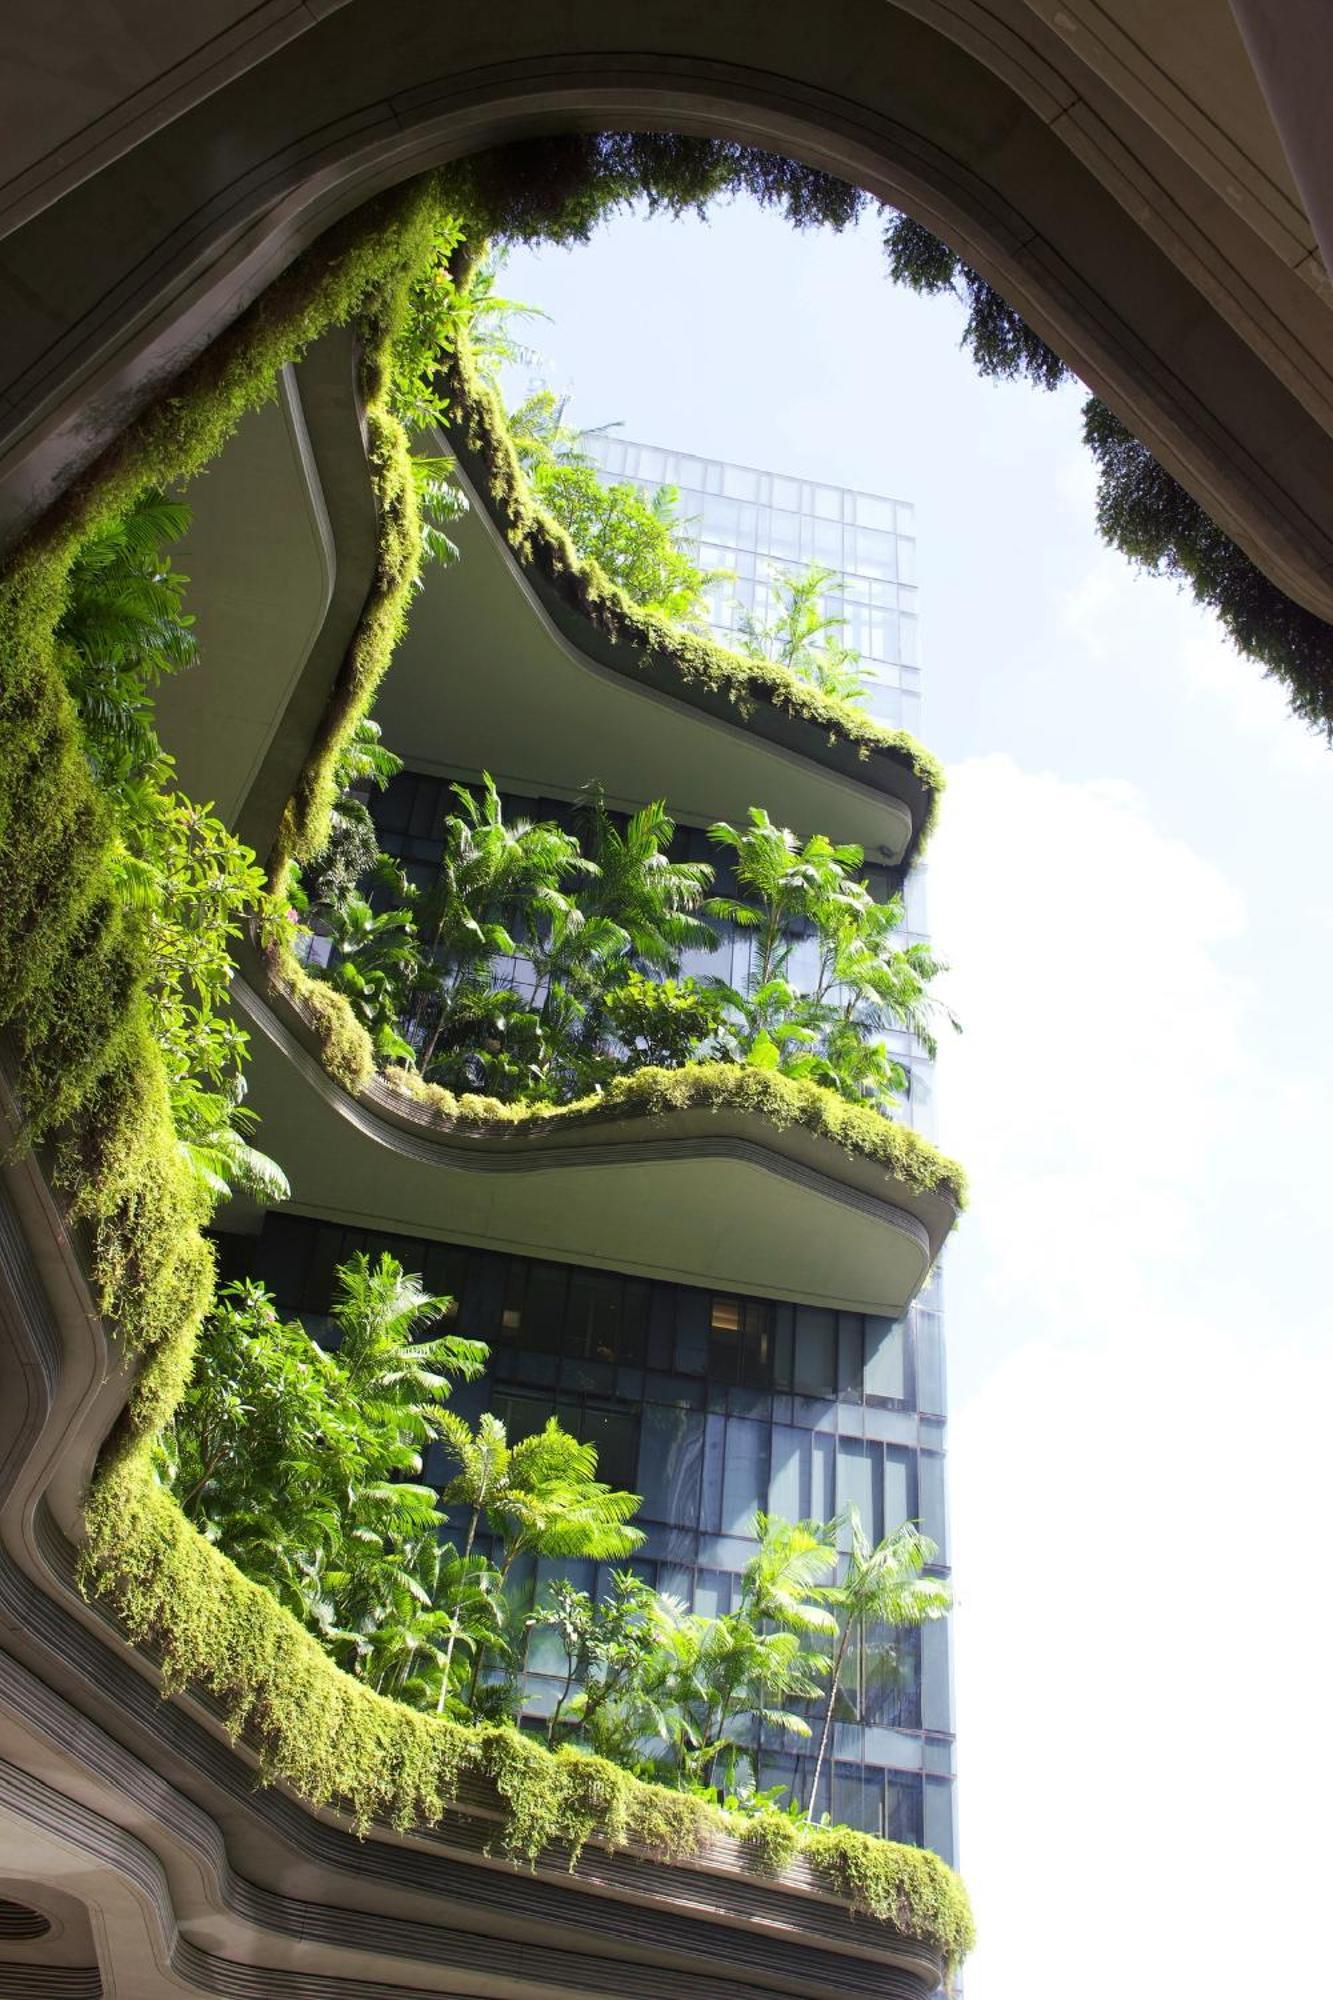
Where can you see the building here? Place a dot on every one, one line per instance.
(711, 1403)
(716, 1291)
(191, 1798)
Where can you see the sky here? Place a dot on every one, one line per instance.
(1130, 883)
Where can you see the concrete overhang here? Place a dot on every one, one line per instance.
(137, 1825)
(722, 1198)
(1111, 165)
(280, 555)
(499, 671)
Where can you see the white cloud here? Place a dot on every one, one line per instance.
(1138, 1484)
(1102, 1042)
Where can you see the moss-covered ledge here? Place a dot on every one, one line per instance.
(598, 617)
(332, 1031)
(337, 1744)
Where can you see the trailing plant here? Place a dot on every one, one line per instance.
(1141, 509)
(644, 644)
(187, 888)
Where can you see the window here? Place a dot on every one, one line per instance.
(606, 1316)
(816, 1351)
(740, 1342)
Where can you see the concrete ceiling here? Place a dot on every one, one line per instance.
(485, 680)
(1115, 169)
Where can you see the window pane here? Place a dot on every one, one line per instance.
(816, 1351)
(744, 1475)
(885, 1362)
(670, 1465)
(615, 1433)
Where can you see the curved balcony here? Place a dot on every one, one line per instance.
(523, 660)
(136, 1821)
(713, 1175)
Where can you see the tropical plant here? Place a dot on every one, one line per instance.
(187, 886)
(864, 982)
(801, 635)
(125, 629)
(652, 898)
(352, 848)
(304, 1465)
(884, 1584)
(609, 1647)
(659, 1022)
(640, 541)
(722, 1681)
(540, 1496)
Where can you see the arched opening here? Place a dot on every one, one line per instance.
(136, 270)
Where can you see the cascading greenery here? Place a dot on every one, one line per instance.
(305, 1467)
(76, 1006)
(1141, 510)
(542, 963)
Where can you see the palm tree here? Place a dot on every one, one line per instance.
(541, 1496)
(802, 637)
(884, 1585)
(790, 886)
(495, 876)
(377, 1310)
(651, 897)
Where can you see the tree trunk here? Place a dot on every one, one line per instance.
(835, 1680)
(453, 1622)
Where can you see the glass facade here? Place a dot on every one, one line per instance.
(748, 523)
(711, 1406)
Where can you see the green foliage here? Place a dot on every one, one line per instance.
(575, 919)
(1141, 510)
(557, 189)
(776, 1099)
(865, 982)
(999, 340)
(641, 544)
(187, 888)
(661, 1023)
(805, 639)
(882, 1586)
(1149, 517)
(301, 1465)
(643, 639)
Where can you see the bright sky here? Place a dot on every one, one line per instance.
(1131, 881)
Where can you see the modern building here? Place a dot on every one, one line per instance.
(713, 1404)
(728, 1288)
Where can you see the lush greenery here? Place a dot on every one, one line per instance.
(641, 543)
(543, 961)
(187, 887)
(336, 1743)
(78, 1009)
(1141, 510)
(645, 644)
(305, 1467)
(801, 635)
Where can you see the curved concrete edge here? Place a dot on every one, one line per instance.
(146, 1813)
(874, 775)
(863, 1239)
(996, 132)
